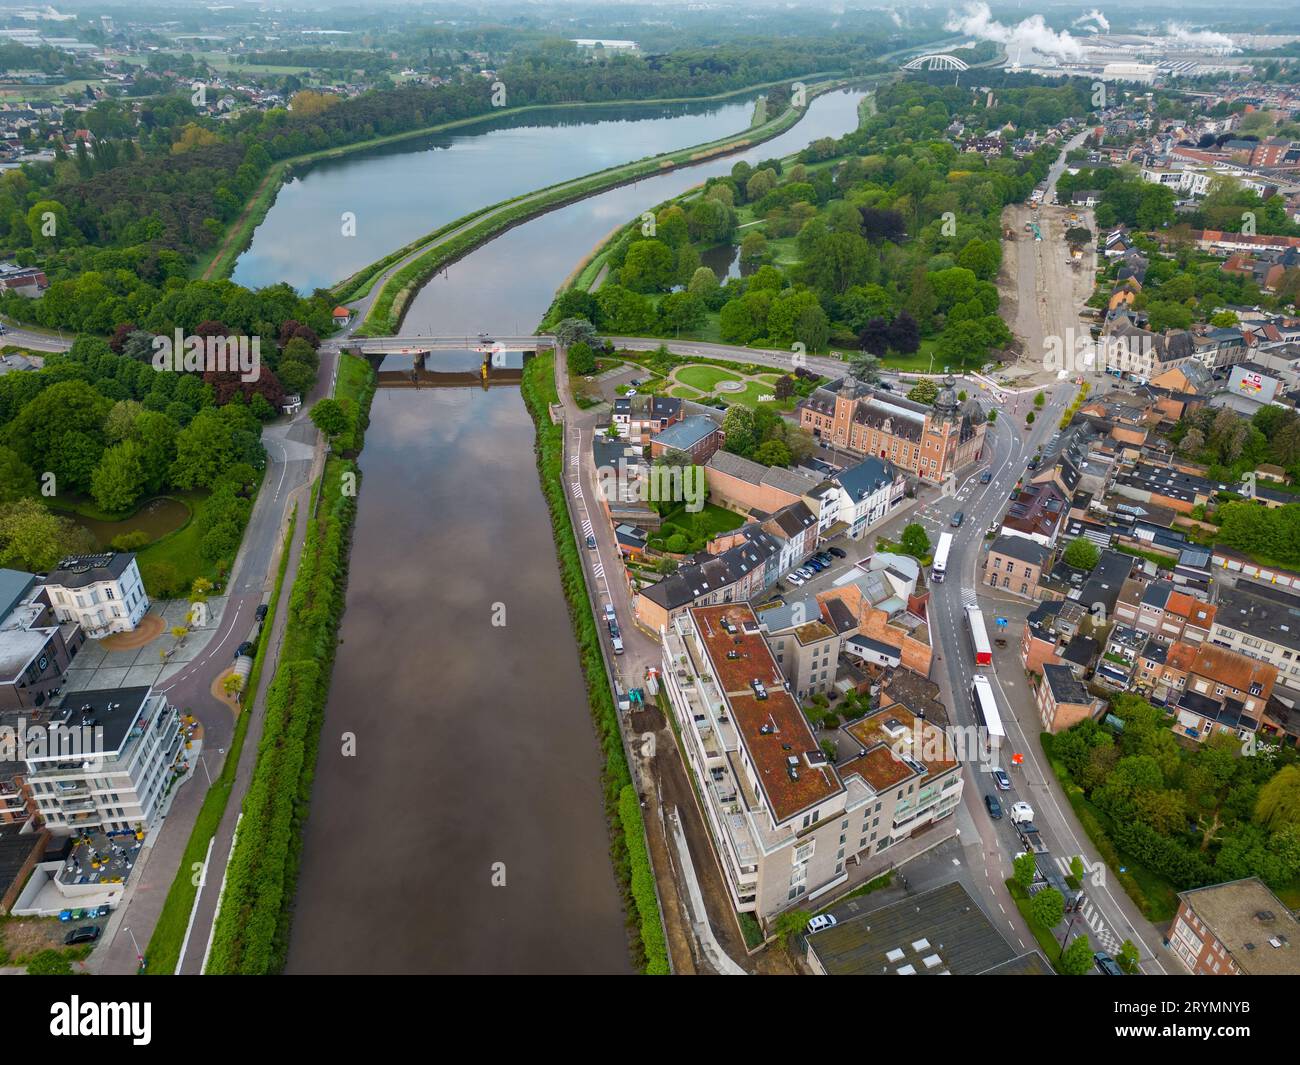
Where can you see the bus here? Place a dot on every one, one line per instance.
(986, 710)
(979, 636)
(940, 564)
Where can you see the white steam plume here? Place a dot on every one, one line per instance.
(1103, 23)
(1032, 35)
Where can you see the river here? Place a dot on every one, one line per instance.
(407, 188)
(474, 742)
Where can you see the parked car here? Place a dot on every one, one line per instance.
(609, 612)
(815, 564)
(1033, 463)
(591, 541)
(1106, 965)
(87, 933)
(822, 922)
(617, 642)
(629, 393)
(620, 697)
(994, 807)
(957, 519)
(261, 612)
(636, 381)
(794, 578)
(806, 572)
(245, 648)
(824, 556)
(986, 476)
(837, 552)
(1001, 779)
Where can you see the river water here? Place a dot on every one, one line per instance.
(403, 190)
(475, 752)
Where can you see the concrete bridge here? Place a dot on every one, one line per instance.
(415, 344)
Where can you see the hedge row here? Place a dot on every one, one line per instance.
(627, 845)
(643, 883)
(252, 931)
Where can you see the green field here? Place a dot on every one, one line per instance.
(698, 528)
(705, 378)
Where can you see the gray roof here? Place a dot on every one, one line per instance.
(1262, 611)
(683, 435)
(756, 473)
(14, 586)
(939, 931)
(1065, 687)
(81, 570)
(867, 477)
(113, 709)
(1020, 548)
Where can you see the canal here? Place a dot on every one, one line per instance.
(405, 189)
(475, 752)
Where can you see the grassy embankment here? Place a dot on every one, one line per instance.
(458, 238)
(220, 262)
(622, 807)
(252, 931)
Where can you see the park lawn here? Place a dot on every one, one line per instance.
(700, 527)
(682, 392)
(770, 378)
(749, 397)
(179, 549)
(705, 378)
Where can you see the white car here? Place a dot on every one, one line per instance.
(793, 578)
(630, 392)
(822, 922)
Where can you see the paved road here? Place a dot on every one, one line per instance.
(19, 336)
(291, 448)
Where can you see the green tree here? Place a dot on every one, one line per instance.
(1024, 869)
(772, 453)
(790, 924)
(33, 538)
(1076, 959)
(1047, 908)
(914, 540)
(572, 331)
(1081, 553)
(1039, 400)
(1278, 803)
(582, 360)
(739, 430)
(17, 481)
(1128, 957)
(203, 449)
(330, 418)
(119, 479)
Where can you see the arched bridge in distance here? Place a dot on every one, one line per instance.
(936, 62)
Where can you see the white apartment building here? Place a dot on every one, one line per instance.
(116, 752)
(867, 493)
(1262, 622)
(786, 822)
(1191, 181)
(102, 593)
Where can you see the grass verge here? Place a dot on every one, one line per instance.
(622, 810)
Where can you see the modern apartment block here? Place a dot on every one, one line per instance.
(1263, 622)
(102, 593)
(1235, 929)
(35, 651)
(786, 822)
(117, 749)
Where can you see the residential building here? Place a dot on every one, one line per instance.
(1160, 609)
(1062, 699)
(737, 574)
(1235, 929)
(743, 485)
(785, 821)
(136, 747)
(928, 442)
(1015, 564)
(939, 932)
(696, 436)
(806, 649)
(35, 651)
(867, 493)
(101, 593)
(1263, 622)
(1225, 692)
(638, 418)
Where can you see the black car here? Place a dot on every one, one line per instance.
(986, 476)
(1106, 965)
(261, 612)
(591, 541)
(837, 552)
(87, 933)
(994, 807)
(957, 519)
(245, 648)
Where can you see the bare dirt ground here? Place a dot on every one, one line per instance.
(150, 628)
(24, 936)
(1042, 293)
